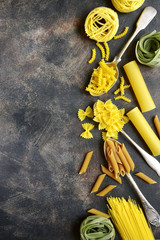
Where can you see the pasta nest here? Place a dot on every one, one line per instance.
(127, 6)
(101, 24)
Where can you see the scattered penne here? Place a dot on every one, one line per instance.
(106, 190)
(97, 212)
(110, 174)
(86, 162)
(145, 178)
(157, 124)
(98, 183)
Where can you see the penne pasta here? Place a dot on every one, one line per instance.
(157, 124)
(110, 174)
(145, 178)
(112, 146)
(86, 162)
(97, 212)
(106, 190)
(128, 157)
(121, 170)
(123, 159)
(113, 163)
(98, 183)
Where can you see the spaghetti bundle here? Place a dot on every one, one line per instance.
(129, 219)
(101, 24)
(126, 6)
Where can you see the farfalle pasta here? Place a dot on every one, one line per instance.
(87, 113)
(109, 118)
(87, 127)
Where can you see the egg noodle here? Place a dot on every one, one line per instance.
(127, 5)
(101, 24)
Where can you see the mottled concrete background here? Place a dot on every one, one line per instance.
(43, 74)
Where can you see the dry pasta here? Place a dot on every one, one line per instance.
(101, 49)
(106, 190)
(87, 113)
(113, 163)
(98, 183)
(102, 79)
(123, 98)
(107, 51)
(126, 6)
(86, 162)
(129, 219)
(123, 159)
(121, 170)
(157, 124)
(101, 24)
(93, 56)
(145, 178)
(122, 34)
(128, 157)
(97, 212)
(110, 174)
(87, 127)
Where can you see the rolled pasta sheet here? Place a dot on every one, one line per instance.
(145, 178)
(106, 190)
(148, 49)
(86, 162)
(98, 183)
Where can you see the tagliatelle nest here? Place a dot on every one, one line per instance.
(126, 6)
(101, 24)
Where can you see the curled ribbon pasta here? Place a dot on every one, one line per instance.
(148, 49)
(97, 227)
(87, 113)
(126, 6)
(101, 24)
(87, 127)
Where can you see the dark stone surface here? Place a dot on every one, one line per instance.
(43, 74)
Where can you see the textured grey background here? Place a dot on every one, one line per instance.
(43, 73)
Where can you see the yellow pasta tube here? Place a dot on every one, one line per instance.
(113, 163)
(157, 124)
(111, 144)
(106, 190)
(123, 159)
(86, 162)
(97, 212)
(128, 157)
(145, 178)
(139, 87)
(110, 174)
(145, 130)
(121, 170)
(98, 183)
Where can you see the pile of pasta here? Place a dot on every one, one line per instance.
(129, 219)
(109, 118)
(101, 24)
(127, 6)
(103, 78)
(118, 159)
